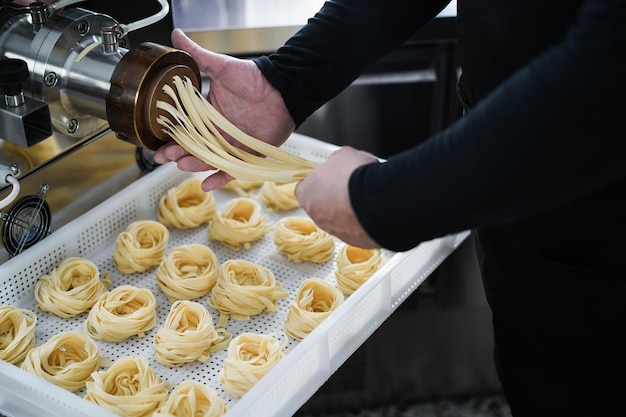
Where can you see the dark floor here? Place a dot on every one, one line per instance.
(487, 406)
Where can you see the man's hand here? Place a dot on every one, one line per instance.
(240, 92)
(324, 196)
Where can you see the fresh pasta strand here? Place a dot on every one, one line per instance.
(301, 240)
(240, 223)
(279, 197)
(188, 272)
(192, 399)
(195, 125)
(129, 388)
(71, 288)
(188, 335)
(244, 289)
(121, 313)
(17, 333)
(141, 246)
(315, 300)
(186, 205)
(355, 266)
(249, 357)
(66, 359)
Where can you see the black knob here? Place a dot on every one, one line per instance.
(13, 73)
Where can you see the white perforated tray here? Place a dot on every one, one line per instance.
(308, 363)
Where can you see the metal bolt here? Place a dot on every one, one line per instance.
(122, 43)
(72, 126)
(16, 169)
(83, 27)
(50, 79)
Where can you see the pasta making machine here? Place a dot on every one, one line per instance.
(72, 73)
(80, 71)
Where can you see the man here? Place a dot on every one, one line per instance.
(537, 169)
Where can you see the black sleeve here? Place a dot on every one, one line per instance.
(339, 43)
(551, 134)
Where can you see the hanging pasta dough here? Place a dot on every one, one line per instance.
(17, 333)
(188, 272)
(240, 223)
(128, 388)
(316, 299)
(67, 359)
(355, 266)
(71, 288)
(249, 357)
(244, 289)
(196, 126)
(121, 313)
(188, 335)
(186, 205)
(141, 246)
(301, 240)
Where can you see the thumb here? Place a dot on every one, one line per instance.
(208, 62)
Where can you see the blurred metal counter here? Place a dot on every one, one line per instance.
(248, 27)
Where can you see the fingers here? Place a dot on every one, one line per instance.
(209, 62)
(216, 181)
(172, 152)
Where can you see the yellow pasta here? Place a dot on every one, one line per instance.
(192, 399)
(279, 197)
(355, 266)
(141, 246)
(186, 205)
(71, 288)
(188, 272)
(66, 359)
(315, 300)
(240, 223)
(188, 335)
(250, 356)
(243, 188)
(244, 289)
(121, 313)
(17, 333)
(196, 125)
(129, 388)
(301, 240)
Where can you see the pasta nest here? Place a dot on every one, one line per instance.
(244, 289)
(141, 246)
(301, 240)
(17, 333)
(122, 312)
(66, 359)
(71, 288)
(191, 399)
(316, 299)
(279, 196)
(186, 205)
(187, 335)
(249, 357)
(128, 388)
(243, 188)
(240, 223)
(355, 266)
(188, 272)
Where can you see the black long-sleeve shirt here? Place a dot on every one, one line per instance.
(544, 145)
(537, 169)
